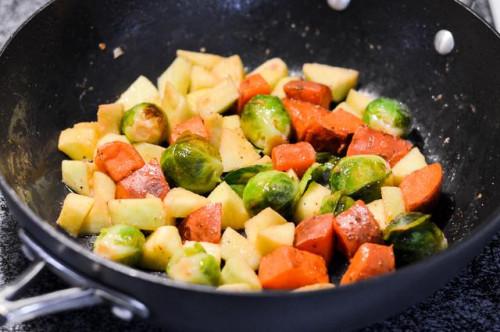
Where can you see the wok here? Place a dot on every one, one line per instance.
(52, 74)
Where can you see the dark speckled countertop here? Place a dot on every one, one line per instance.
(469, 302)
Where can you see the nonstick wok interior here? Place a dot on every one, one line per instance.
(53, 74)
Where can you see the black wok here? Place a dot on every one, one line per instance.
(52, 74)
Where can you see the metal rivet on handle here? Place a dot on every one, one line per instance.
(122, 313)
(444, 42)
(339, 4)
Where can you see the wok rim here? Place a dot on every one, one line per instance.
(484, 232)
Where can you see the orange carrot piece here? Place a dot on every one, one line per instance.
(421, 188)
(118, 160)
(370, 260)
(342, 121)
(194, 125)
(355, 227)
(289, 268)
(203, 224)
(147, 180)
(312, 92)
(369, 141)
(250, 87)
(316, 236)
(298, 156)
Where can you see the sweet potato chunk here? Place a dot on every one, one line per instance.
(147, 180)
(289, 268)
(312, 92)
(370, 260)
(251, 86)
(316, 236)
(421, 188)
(118, 160)
(369, 141)
(298, 156)
(354, 227)
(203, 225)
(194, 126)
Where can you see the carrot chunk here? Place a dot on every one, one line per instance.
(370, 260)
(369, 141)
(312, 92)
(355, 227)
(316, 236)
(147, 180)
(194, 126)
(289, 268)
(421, 188)
(342, 121)
(203, 224)
(251, 86)
(118, 160)
(308, 122)
(298, 156)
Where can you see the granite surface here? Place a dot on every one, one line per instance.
(469, 302)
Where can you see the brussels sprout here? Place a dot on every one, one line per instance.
(273, 189)
(389, 116)
(304, 182)
(192, 264)
(192, 163)
(265, 122)
(242, 175)
(322, 173)
(323, 157)
(360, 176)
(336, 203)
(145, 123)
(414, 237)
(120, 243)
(238, 188)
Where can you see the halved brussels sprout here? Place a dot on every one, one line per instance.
(304, 182)
(120, 243)
(242, 175)
(192, 163)
(360, 176)
(322, 173)
(336, 203)
(273, 189)
(192, 264)
(414, 237)
(265, 122)
(145, 123)
(389, 116)
(323, 157)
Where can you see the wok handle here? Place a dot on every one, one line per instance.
(17, 311)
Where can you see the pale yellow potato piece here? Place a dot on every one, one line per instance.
(175, 107)
(201, 78)
(234, 245)
(234, 214)
(310, 203)
(140, 91)
(214, 123)
(278, 89)
(103, 187)
(394, 204)
(109, 118)
(273, 70)
(214, 100)
(358, 101)
(78, 143)
(180, 202)
(264, 219)
(413, 161)
(144, 213)
(273, 237)
(339, 80)
(75, 209)
(149, 151)
(377, 209)
(160, 246)
(237, 271)
(230, 67)
(235, 150)
(77, 174)
(97, 218)
(178, 74)
(347, 108)
(205, 60)
(231, 122)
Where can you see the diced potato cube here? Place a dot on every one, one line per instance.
(231, 122)
(358, 101)
(314, 287)
(76, 174)
(235, 245)
(237, 271)
(75, 209)
(206, 60)
(235, 150)
(394, 203)
(109, 118)
(180, 202)
(214, 124)
(149, 151)
(377, 209)
(346, 107)
(211, 248)
(310, 203)
(213, 100)
(160, 246)
(108, 138)
(339, 80)
(141, 91)
(264, 219)
(264, 160)
(103, 186)
(78, 143)
(413, 161)
(278, 89)
(234, 213)
(201, 78)
(97, 218)
(272, 71)
(175, 106)
(231, 67)
(273, 237)
(178, 74)
(144, 213)
(238, 288)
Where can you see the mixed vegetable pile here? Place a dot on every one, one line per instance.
(266, 196)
